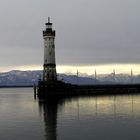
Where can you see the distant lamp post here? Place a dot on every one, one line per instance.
(77, 73)
(95, 75)
(77, 77)
(114, 75)
(131, 76)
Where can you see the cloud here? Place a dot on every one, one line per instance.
(88, 32)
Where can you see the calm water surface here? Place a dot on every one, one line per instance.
(85, 118)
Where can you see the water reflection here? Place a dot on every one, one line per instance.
(50, 118)
(95, 111)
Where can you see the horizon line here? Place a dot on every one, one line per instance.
(88, 69)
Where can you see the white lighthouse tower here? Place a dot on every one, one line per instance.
(49, 72)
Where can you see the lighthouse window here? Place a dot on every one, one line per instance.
(49, 53)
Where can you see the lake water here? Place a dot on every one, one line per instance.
(84, 118)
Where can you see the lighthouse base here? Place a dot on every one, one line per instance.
(55, 88)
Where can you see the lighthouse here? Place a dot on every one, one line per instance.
(49, 67)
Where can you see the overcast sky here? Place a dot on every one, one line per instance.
(87, 31)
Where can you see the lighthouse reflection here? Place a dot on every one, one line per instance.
(63, 117)
(49, 111)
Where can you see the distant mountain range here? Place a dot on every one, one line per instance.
(29, 78)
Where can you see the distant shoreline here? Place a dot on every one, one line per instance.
(15, 86)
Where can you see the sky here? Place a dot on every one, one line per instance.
(94, 34)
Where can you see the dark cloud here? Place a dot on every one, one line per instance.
(88, 32)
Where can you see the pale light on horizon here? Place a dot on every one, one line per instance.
(101, 69)
(85, 69)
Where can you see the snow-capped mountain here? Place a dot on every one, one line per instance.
(73, 79)
(29, 78)
(19, 78)
(119, 78)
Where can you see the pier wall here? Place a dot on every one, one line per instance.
(60, 89)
